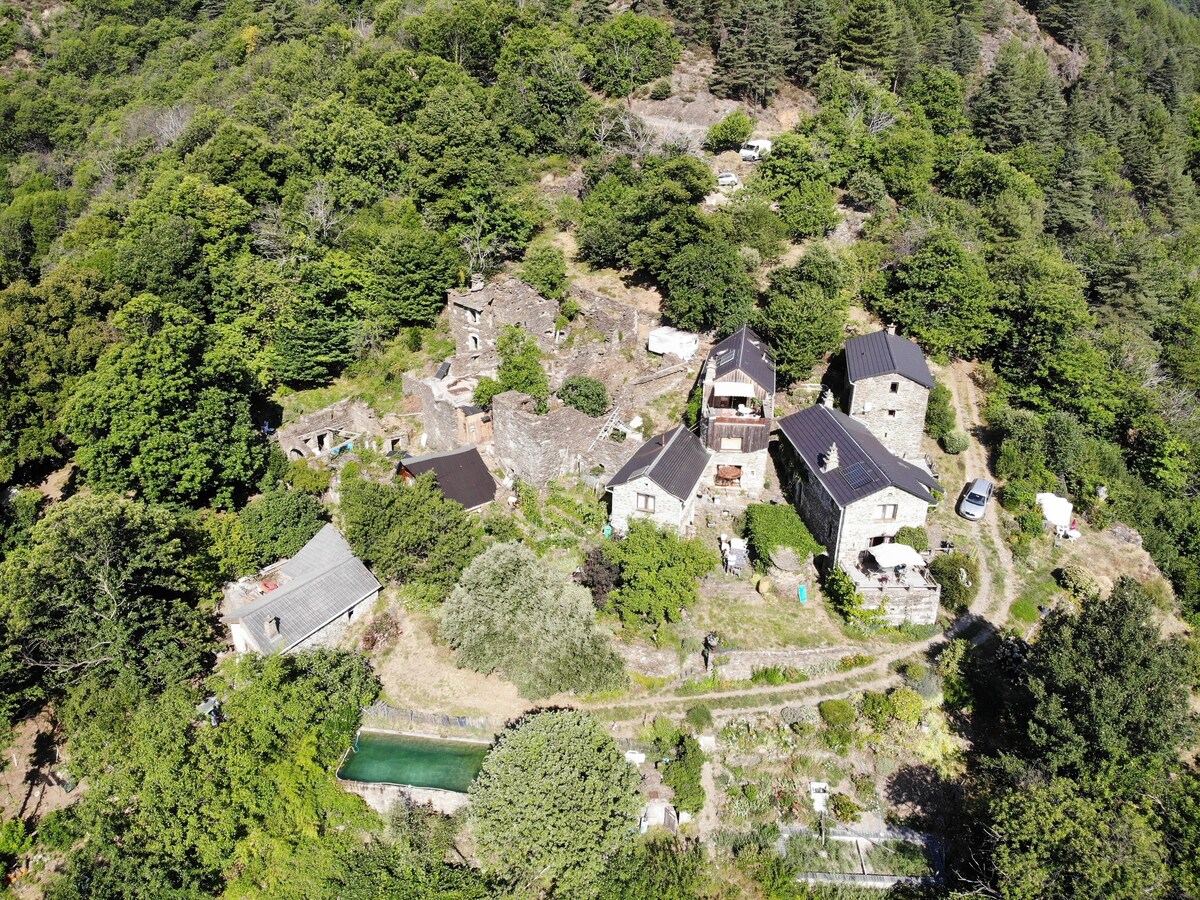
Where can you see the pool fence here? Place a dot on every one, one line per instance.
(390, 718)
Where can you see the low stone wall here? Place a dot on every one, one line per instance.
(739, 665)
(381, 796)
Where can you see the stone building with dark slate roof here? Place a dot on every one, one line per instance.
(461, 475)
(854, 495)
(306, 601)
(889, 389)
(660, 482)
(737, 409)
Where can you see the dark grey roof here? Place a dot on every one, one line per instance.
(864, 467)
(674, 460)
(316, 586)
(884, 353)
(745, 351)
(461, 474)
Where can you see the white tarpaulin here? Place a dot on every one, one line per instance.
(671, 340)
(733, 389)
(1056, 509)
(888, 555)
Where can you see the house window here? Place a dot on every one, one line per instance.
(473, 316)
(892, 413)
(645, 503)
(895, 387)
(731, 444)
(881, 539)
(473, 341)
(886, 511)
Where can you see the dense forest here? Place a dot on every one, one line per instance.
(208, 204)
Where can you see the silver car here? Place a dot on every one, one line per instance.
(975, 502)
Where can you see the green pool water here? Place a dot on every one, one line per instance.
(421, 762)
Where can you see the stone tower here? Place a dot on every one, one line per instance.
(889, 389)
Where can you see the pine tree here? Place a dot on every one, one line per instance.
(964, 48)
(908, 56)
(868, 40)
(816, 39)
(752, 57)
(592, 11)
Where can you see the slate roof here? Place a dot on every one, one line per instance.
(745, 351)
(461, 474)
(864, 467)
(884, 353)
(674, 460)
(316, 586)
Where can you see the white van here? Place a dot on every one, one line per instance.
(753, 151)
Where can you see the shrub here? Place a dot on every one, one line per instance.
(947, 569)
(1076, 581)
(599, 575)
(906, 705)
(1018, 494)
(876, 708)
(682, 774)
(854, 661)
(837, 714)
(57, 830)
(304, 478)
(940, 418)
(700, 717)
(659, 573)
(587, 395)
(14, 840)
(769, 527)
(1030, 521)
(661, 89)
(866, 191)
(956, 442)
(730, 133)
(844, 809)
(845, 599)
(917, 538)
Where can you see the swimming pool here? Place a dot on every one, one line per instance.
(416, 761)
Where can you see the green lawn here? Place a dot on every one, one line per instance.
(749, 621)
(1037, 592)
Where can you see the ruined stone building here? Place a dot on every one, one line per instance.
(854, 494)
(889, 389)
(737, 409)
(479, 314)
(448, 410)
(346, 425)
(660, 482)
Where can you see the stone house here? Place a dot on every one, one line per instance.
(345, 425)
(448, 411)
(736, 412)
(479, 314)
(854, 495)
(660, 482)
(889, 389)
(302, 602)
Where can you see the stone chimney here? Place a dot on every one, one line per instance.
(891, 329)
(271, 626)
(476, 282)
(830, 460)
(827, 397)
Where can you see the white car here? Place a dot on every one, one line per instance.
(975, 503)
(753, 151)
(728, 179)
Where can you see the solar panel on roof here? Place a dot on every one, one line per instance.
(857, 476)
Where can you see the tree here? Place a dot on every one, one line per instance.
(942, 296)
(1106, 686)
(510, 614)
(655, 868)
(868, 38)
(940, 417)
(281, 522)
(1020, 101)
(164, 413)
(752, 50)
(816, 35)
(554, 800)
(521, 364)
(730, 133)
(1063, 840)
(414, 268)
(630, 50)
(801, 319)
(106, 588)
(545, 268)
(585, 394)
(658, 573)
(707, 288)
(411, 534)
(682, 774)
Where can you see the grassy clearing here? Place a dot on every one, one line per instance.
(807, 853)
(897, 858)
(1037, 592)
(745, 619)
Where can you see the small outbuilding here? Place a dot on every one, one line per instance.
(660, 482)
(461, 475)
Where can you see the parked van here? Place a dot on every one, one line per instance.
(753, 151)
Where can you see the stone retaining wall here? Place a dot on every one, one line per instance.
(739, 665)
